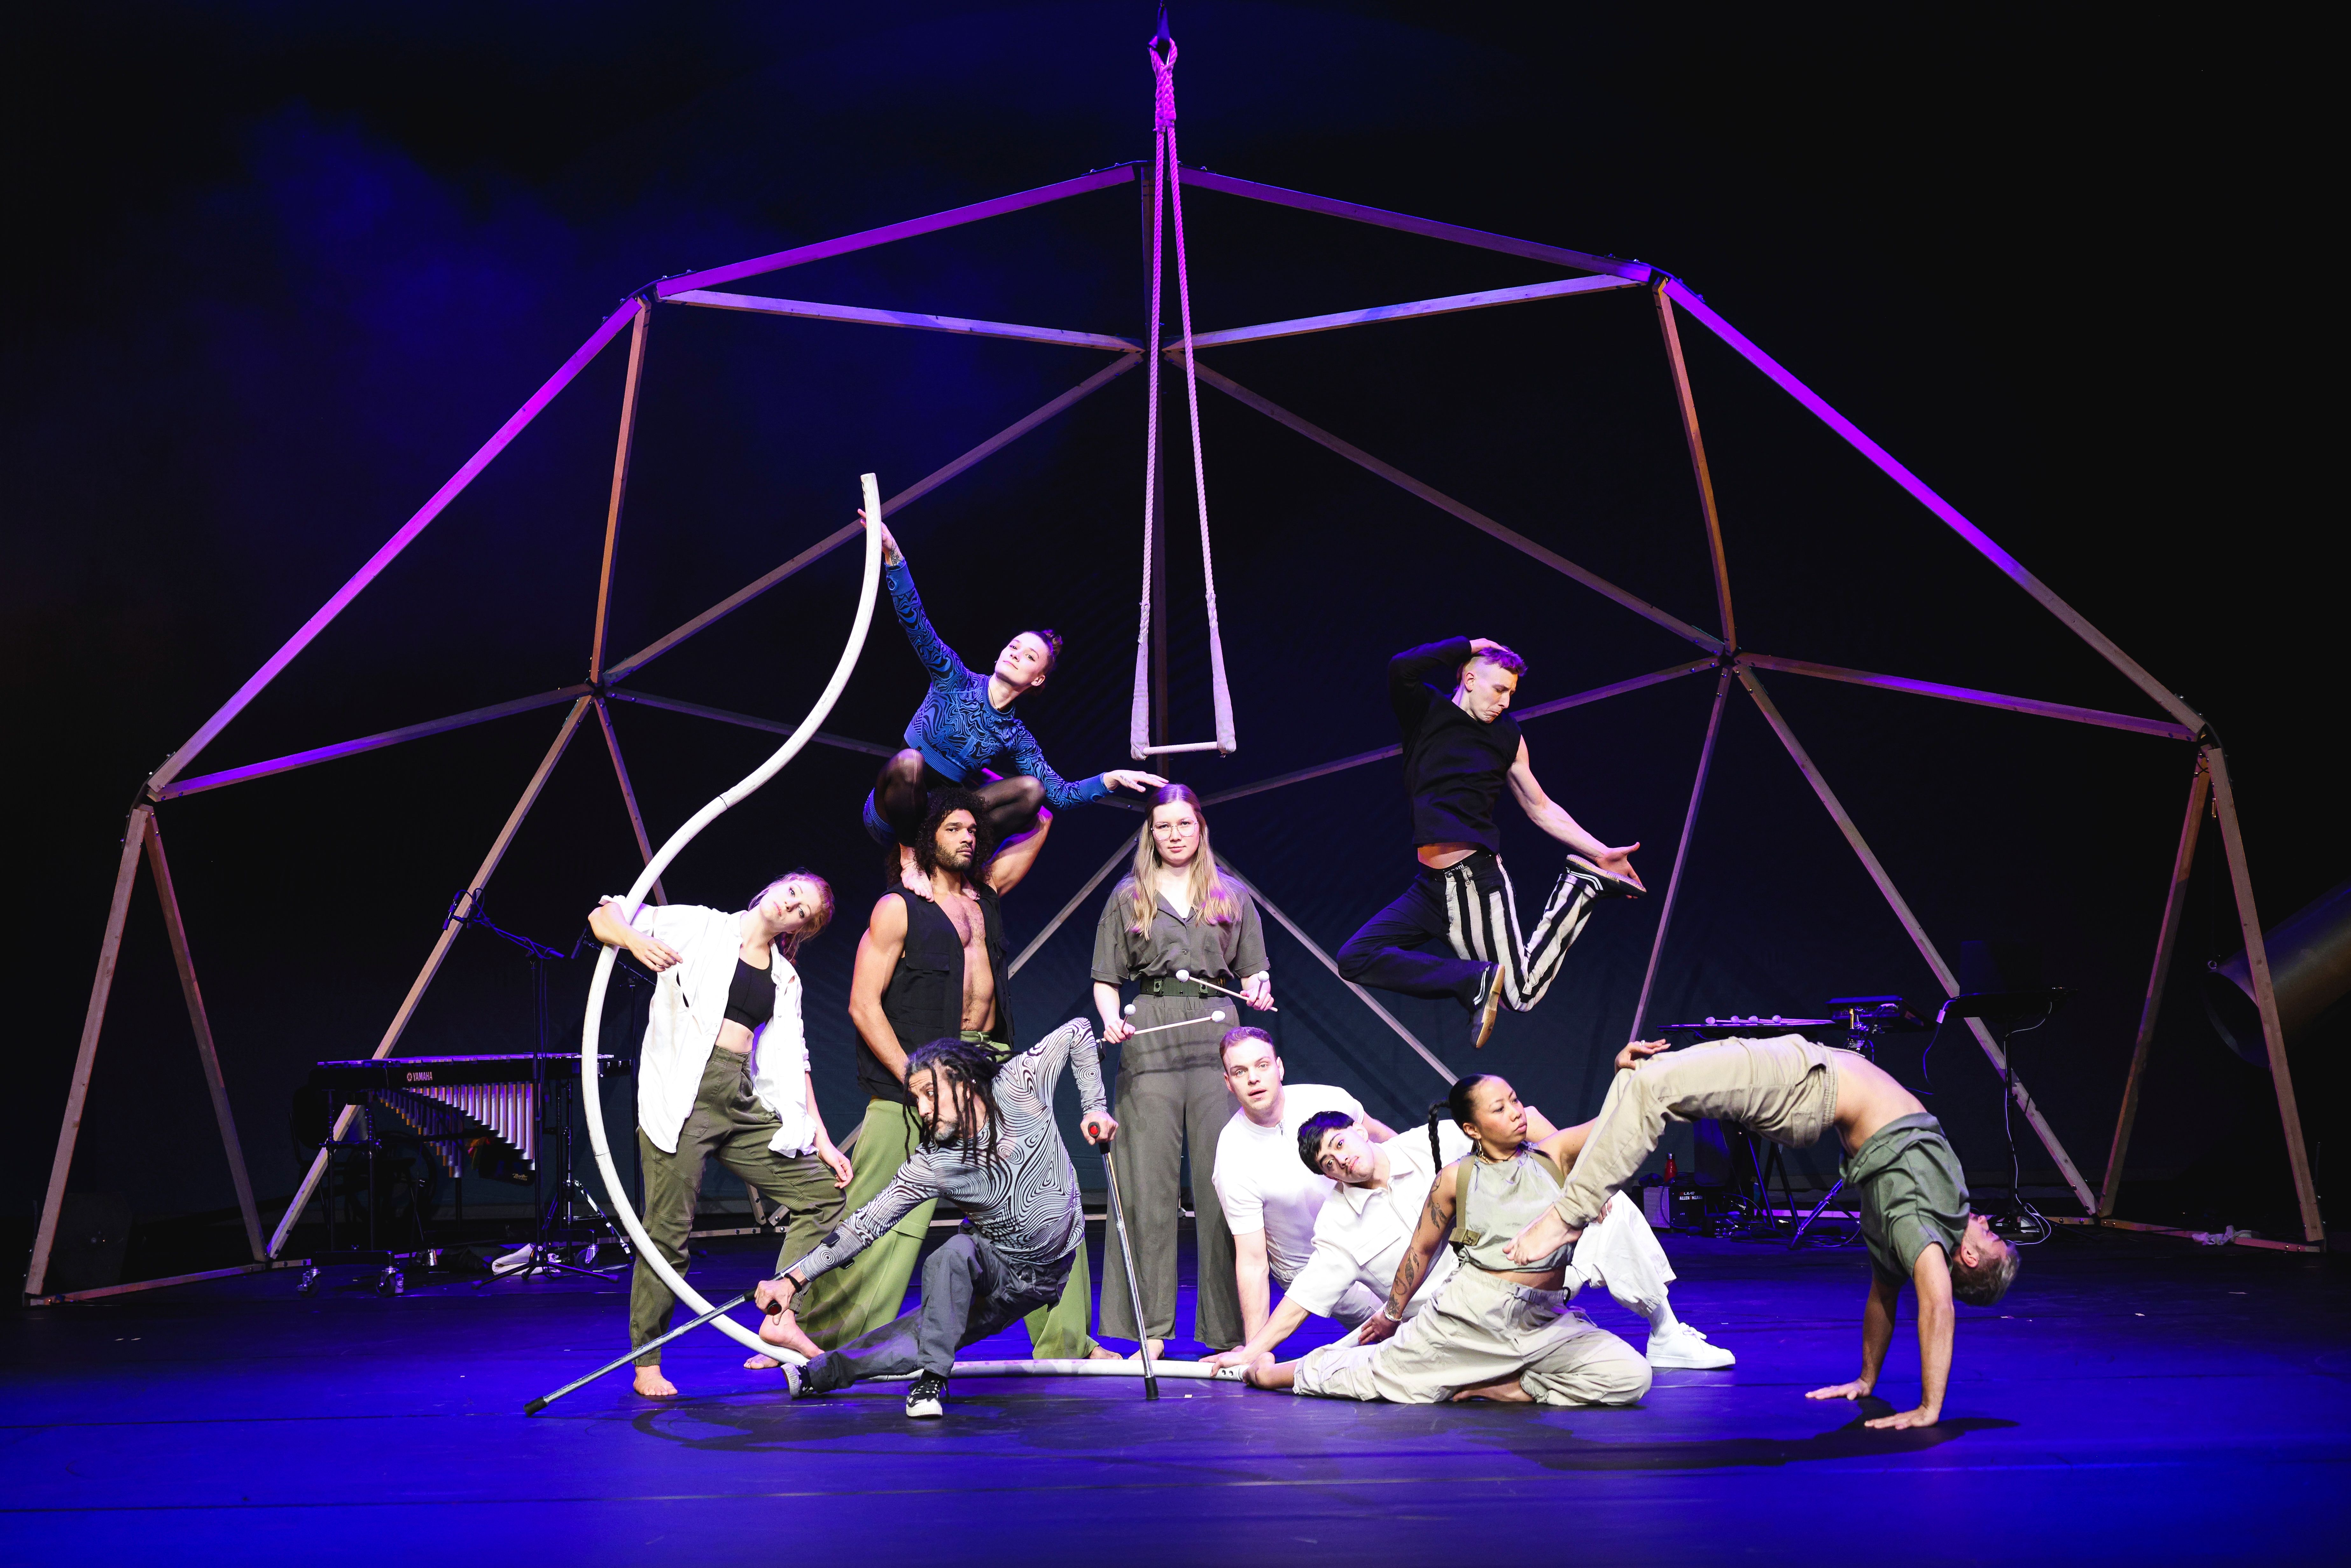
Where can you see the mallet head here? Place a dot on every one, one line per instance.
(1218, 1015)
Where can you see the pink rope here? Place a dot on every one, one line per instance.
(1164, 168)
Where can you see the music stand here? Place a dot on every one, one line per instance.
(2002, 1013)
(550, 1216)
(1866, 1021)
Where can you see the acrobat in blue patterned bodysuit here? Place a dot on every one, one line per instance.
(958, 730)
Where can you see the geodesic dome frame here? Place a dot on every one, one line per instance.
(1717, 650)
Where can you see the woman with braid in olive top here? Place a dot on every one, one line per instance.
(1501, 1328)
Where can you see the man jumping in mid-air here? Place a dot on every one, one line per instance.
(1914, 1199)
(1459, 746)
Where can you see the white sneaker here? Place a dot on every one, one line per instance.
(1683, 1346)
(795, 1374)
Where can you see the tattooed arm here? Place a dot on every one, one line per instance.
(1419, 1253)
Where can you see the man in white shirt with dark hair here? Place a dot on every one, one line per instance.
(1270, 1200)
(1363, 1227)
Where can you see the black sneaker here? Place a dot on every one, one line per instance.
(926, 1399)
(1486, 1007)
(1606, 883)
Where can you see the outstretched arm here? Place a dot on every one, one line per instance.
(1932, 1278)
(1876, 1332)
(938, 659)
(1284, 1322)
(1552, 818)
(916, 1182)
(1436, 1223)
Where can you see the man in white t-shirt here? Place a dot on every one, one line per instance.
(1271, 1199)
(1360, 1232)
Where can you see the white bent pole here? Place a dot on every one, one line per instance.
(592, 1024)
(1122, 1367)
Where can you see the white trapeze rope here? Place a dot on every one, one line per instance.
(622, 1210)
(1164, 177)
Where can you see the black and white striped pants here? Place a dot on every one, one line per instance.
(1470, 907)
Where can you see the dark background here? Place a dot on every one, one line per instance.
(279, 269)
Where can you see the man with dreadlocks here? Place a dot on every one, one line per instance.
(987, 1139)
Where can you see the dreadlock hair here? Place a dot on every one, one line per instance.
(963, 1076)
(944, 803)
(1315, 1129)
(1457, 1106)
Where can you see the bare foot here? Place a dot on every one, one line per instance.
(783, 1329)
(1158, 1347)
(912, 875)
(650, 1383)
(1103, 1353)
(1504, 1391)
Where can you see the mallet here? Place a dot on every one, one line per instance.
(1186, 975)
(1216, 1017)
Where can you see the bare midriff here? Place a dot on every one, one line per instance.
(1437, 857)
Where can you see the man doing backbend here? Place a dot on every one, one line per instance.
(988, 1142)
(1501, 1328)
(1452, 700)
(1914, 1199)
(966, 722)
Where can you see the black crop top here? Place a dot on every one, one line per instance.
(751, 996)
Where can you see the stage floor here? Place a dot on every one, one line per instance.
(2135, 1400)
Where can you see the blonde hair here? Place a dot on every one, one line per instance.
(790, 945)
(1213, 898)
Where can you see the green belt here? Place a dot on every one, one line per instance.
(1156, 985)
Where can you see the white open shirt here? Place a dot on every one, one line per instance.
(681, 1027)
(1360, 1232)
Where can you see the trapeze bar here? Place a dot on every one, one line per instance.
(866, 238)
(1440, 307)
(1969, 695)
(915, 319)
(1884, 460)
(366, 743)
(1631, 271)
(773, 726)
(1186, 746)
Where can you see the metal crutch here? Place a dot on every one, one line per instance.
(1134, 1288)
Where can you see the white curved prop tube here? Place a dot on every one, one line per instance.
(1120, 1368)
(621, 1209)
